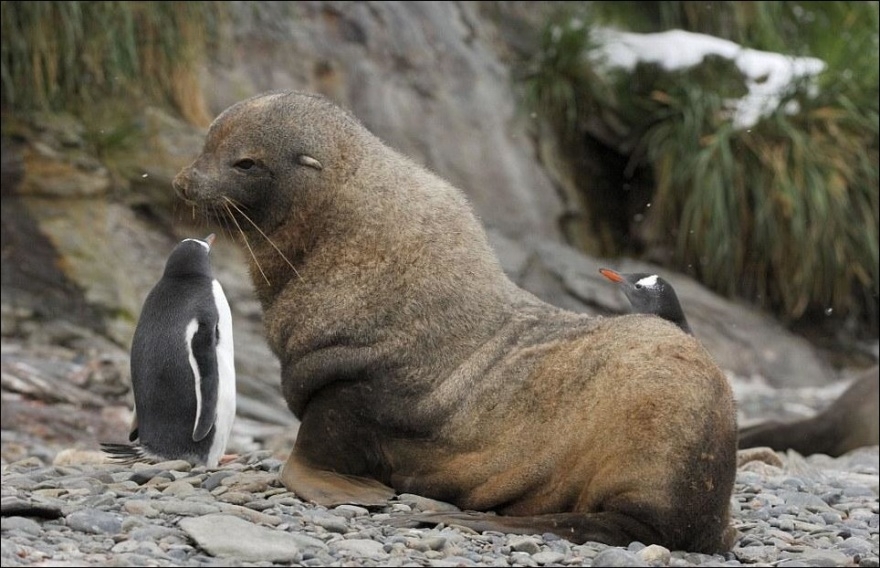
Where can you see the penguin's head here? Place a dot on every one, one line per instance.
(190, 257)
(648, 293)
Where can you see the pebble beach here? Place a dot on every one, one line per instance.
(66, 509)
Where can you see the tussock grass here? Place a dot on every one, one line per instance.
(60, 55)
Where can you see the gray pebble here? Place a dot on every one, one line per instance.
(186, 508)
(756, 554)
(423, 504)
(527, 544)
(548, 557)
(518, 558)
(259, 505)
(818, 557)
(140, 507)
(174, 465)
(11, 524)
(455, 561)
(654, 554)
(227, 535)
(331, 523)
(94, 521)
(213, 480)
(854, 545)
(145, 475)
(616, 557)
(235, 497)
(351, 511)
(34, 507)
(358, 547)
(146, 548)
(152, 533)
(179, 488)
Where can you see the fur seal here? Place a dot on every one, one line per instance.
(851, 421)
(415, 365)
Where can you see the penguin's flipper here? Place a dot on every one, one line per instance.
(133, 432)
(202, 338)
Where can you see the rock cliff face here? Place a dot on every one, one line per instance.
(428, 78)
(89, 217)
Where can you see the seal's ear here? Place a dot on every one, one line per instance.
(309, 161)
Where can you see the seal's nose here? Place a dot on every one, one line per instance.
(181, 185)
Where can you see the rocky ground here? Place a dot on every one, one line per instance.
(62, 508)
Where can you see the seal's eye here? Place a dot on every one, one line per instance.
(245, 164)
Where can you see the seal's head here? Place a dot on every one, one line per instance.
(262, 155)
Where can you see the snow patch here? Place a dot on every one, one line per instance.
(768, 74)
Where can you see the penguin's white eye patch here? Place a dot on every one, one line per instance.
(647, 282)
(309, 162)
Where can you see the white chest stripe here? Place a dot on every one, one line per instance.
(226, 369)
(191, 328)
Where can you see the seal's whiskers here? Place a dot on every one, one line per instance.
(223, 221)
(244, 238)
(265, 236)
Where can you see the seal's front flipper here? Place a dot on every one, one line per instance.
(329, 488)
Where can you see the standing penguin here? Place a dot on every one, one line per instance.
(182, 365)
(650, 294)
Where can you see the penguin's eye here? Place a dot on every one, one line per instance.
(639, 286)
(245, 164)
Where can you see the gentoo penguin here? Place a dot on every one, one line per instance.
(182, 365)
(650, 294)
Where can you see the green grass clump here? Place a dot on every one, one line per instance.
(63, 55)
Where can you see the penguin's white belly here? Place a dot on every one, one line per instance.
(226, 371)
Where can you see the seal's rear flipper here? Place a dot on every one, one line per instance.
(329, 488)
(614, 529)
(609, 527)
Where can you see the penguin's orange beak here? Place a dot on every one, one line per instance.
(611, 275)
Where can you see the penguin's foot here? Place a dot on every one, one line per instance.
(227, 458)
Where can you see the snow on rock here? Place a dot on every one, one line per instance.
(768, 75)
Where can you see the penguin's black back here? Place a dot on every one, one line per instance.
(162, 376)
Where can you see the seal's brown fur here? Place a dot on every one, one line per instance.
(416, 365)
